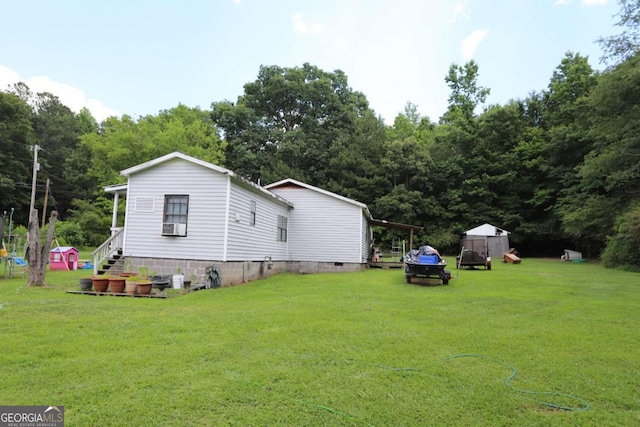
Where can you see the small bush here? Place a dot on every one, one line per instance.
(623, 248)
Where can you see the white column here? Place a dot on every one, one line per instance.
(114, 217)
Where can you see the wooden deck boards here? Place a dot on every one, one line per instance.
(154, 295)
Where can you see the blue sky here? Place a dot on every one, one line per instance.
(139, 57)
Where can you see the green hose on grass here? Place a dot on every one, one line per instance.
(584, 405)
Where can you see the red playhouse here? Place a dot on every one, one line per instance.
(63, 258)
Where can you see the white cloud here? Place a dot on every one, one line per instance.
(302, 27)
(460, 11)
(561, 2)
(471, 42)
(70, 96)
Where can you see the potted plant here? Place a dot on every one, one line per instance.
(86, 283)
(128, 270)
(117, 284)
(143, 284)
(161, 282)
(131, 286)
(189, 281)
(100, 282)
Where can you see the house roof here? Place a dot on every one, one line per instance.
(178, 155)
(396, 225)
(63, 249)
(289, 182)
(171, 156)
(486, 230)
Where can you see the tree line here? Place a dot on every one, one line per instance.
(557, 169)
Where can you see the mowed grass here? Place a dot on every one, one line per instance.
(351, 349)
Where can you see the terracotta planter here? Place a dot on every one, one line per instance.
(86, 283)
(131, 288)
(144, 288)
(127, 274)
(100, 284)
(116, 284)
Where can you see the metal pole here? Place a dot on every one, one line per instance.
(36, 166)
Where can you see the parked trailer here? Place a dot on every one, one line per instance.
(425, 263)
(474, 253)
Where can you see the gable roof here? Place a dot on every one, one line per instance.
(289, 182)
(171, 156)
(63, 249)
(486, 230)
(178, 155)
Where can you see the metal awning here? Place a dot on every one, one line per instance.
(397, 226)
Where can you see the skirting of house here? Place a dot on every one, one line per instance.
(236, 272)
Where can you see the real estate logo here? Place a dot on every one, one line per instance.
(31, 416)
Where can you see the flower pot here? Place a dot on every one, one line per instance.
(161, 282)
(100, 284)
(116, 284)
(144, 288)
(131, 288)
(128, 274)
(86, 284)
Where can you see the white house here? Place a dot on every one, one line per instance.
(185, 213)
(324, 226)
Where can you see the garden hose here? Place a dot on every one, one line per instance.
(585, 405)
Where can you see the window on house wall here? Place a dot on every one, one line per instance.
(252, 213)
(176, 208)
(282, 228)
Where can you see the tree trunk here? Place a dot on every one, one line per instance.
(38, 253)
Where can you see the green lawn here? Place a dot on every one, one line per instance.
(334, 350)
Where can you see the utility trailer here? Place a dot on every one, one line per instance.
(425, 263)
(474, 252)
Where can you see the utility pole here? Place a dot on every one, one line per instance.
(36, 167)
(44, 209)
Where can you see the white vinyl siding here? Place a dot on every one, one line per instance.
(322, 227)
(207, 191)
(247, 242)
(365, 238)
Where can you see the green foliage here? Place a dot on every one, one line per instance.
(124, 142)
(16, 135)
(288, 121)
(623, 247)
(92, 219)
(466, 95)
(620, 47)
(69, 233)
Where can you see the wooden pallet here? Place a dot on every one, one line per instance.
(153, 295)
(384, 265)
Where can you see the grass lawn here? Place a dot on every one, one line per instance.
(510, 346)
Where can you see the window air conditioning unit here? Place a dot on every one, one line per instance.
(174, 229)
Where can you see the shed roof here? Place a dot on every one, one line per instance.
(486, 230)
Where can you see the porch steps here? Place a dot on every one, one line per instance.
(114, 265)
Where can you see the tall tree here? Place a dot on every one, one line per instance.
(607, 180)
(16, 136)
(625, 45)
(466, 95)
(291, 118)
(124, 142)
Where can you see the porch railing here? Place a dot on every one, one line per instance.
(108, 248)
